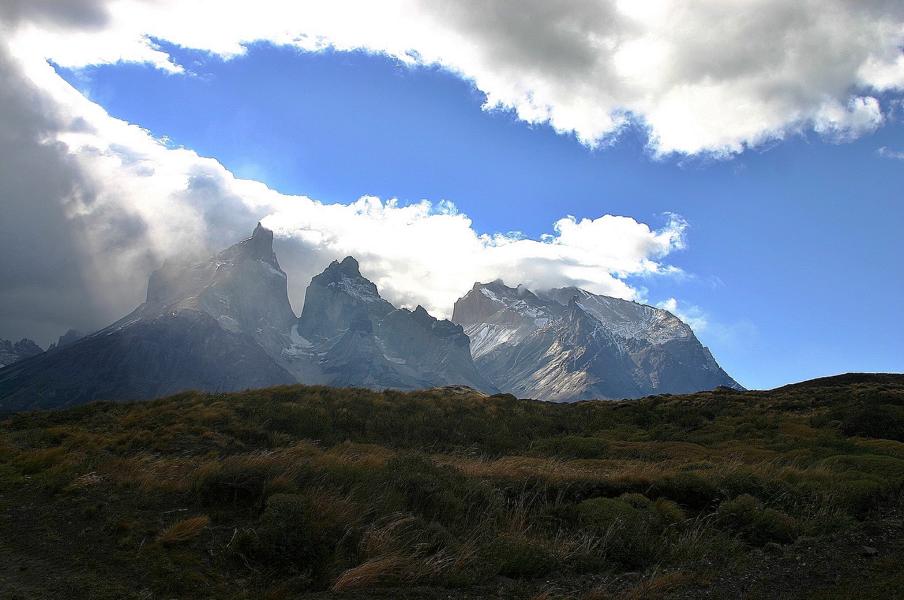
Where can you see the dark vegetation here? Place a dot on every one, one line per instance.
(317, 492)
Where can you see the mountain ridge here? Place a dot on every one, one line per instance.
(224, 323)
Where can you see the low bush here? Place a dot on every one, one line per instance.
(235, 482)
(872, 420)
(628, 526)
(746, 516)
(571, 446)
(521, 556)
(436, 492)
(687, 488)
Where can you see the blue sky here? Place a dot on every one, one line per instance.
(794, 248)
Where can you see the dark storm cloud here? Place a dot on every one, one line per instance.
(46, 281)
(65, 13)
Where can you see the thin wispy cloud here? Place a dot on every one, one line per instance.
(886, 152)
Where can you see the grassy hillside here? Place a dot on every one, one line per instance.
(344, 493)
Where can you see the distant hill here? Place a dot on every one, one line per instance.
(318, 492)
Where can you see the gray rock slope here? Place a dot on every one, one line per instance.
(70, 337)
(568, 344)
(348, 335)
(11, 352)
(226, 324)
(213, 325)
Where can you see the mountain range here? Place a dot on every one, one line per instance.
(225, 324)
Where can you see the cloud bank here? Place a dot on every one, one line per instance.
(703, 76)
(91, 204)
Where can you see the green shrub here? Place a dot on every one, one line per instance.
(746, 516)
(873, 420)
(519, 556)
(293, 536)
(669, 512)
(572, 446)
(630, 533)
(236, 482)
(35, 461)
(436, 492)
(859, 496)
(741, 481)
(887, 468)
(636, 500)
(688, 489)
(602, 513)
(285, 533)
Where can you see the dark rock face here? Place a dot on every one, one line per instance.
(14, 352)
(568, 344)
(337, 298)
(70, 337)
(242, 287)
(150, 358)
(348, 335)
(214, 325)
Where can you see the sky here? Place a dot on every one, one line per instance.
(742, 169)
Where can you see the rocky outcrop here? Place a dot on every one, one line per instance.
(70, 337)
(13, 352)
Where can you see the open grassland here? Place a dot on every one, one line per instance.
(317, 492)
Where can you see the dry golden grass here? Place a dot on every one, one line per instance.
(555, 469)
(183, 531)
(374, 572)
(148, 473)
(658, 586)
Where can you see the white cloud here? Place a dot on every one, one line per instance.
(126, 202)
(705, 76)
(422, 254)
(844, 123)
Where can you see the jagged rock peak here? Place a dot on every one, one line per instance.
(499, 286)
(260, 244)
(346, 268)
(27, 347)
(346, 276)
(70, 337)
(496, 283)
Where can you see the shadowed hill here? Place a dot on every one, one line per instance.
(847, 379)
